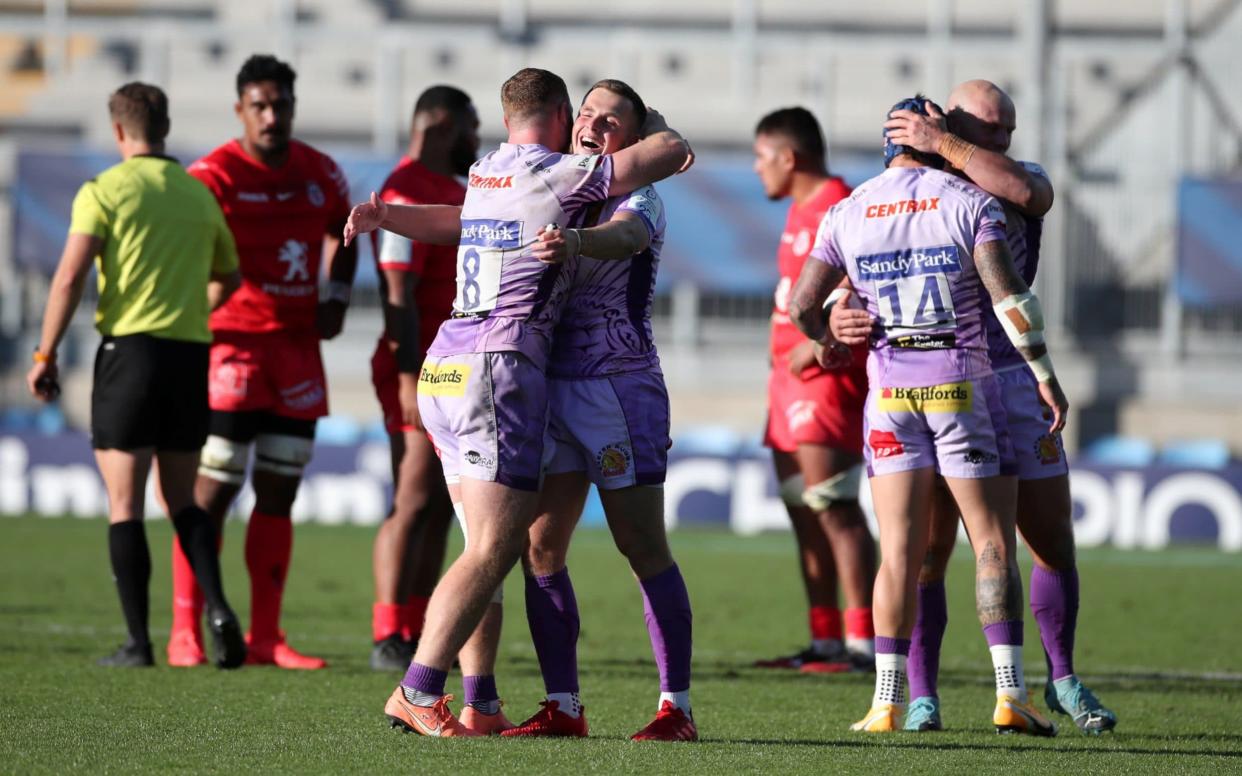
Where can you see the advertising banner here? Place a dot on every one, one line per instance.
(1140, 508)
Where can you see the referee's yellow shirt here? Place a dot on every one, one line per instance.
(163, 237)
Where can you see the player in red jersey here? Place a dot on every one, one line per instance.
(286, 204)
(815, 416)
(418, 282)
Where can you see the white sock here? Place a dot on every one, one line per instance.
(826, 646)
(890, 679)
(1007, 661)
(863, 647)
(679, 699)
(568, 703)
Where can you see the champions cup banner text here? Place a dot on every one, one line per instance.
(1147, 508)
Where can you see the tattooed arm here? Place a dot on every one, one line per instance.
(1019, 313)
(806, 301)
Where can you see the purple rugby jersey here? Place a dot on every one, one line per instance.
(506, 300)
(906, 238)
(605, 326)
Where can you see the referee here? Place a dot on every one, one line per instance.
(165, 258)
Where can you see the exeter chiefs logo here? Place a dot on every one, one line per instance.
(613, 460)
(1047, 449)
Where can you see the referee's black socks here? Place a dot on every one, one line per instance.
(197, 534)
(131, 568)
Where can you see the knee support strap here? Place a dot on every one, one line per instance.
(791, 490)
(842, 486)
(224, 460)
(282, 454)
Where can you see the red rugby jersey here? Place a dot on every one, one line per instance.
(410, 183)
(800, 227)
(279, 217)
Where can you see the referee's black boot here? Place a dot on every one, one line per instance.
(228, 644)
(129, 655)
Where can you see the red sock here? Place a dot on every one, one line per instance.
(386, 620)
(269, 545)
(412, 622)
(187, 596)
(858, 624)
(825, 622)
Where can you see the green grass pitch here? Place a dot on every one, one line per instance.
(1158, 641)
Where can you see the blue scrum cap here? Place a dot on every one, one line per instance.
(916, 104)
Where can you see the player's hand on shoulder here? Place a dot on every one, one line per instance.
(850, 325)
(330, 318)
(1052, 397)
(365, 217)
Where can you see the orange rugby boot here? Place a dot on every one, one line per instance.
(485, 724)
(435, 720)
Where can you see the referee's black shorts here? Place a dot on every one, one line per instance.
(149, 392)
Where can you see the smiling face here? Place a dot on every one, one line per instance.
(606, 123)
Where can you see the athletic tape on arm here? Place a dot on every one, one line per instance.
(1022, 318)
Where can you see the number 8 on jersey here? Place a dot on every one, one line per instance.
(480, 259)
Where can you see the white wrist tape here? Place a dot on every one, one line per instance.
(338, 291)
(1042, 368)
(834, 297)
(1022, 318)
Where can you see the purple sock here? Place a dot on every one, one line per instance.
(480, 689)
(425, 679)
(552, 614)
(1007, 632)
(1054, 602)
(923, 668)
(887, 645)
(666, 606)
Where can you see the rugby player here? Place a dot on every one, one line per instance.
(815, 415)
(417, 283)
(922, 247)
(482, 389)
(285, 203)
(609, 425)
(974, 136)
(165, 259)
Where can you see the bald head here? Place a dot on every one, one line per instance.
(981, 113)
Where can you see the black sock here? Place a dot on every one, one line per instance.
(131, 567)
(197, 533)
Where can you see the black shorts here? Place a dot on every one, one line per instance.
(244, 426)
(149, 392)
